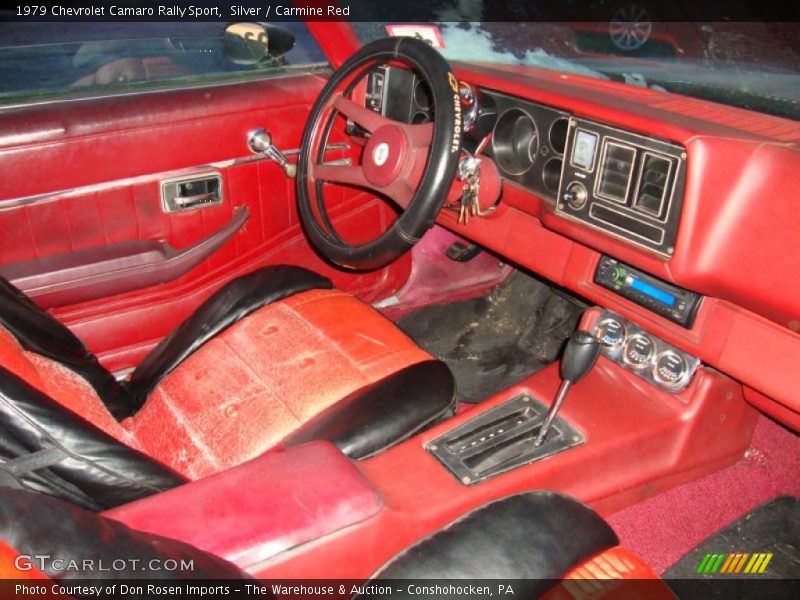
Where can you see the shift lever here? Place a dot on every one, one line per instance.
(579, 357)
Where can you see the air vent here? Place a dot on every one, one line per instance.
(653, 183)
(615, 177)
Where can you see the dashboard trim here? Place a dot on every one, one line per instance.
(641, 146)
(607, 142)
(661, 209)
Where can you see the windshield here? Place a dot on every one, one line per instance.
(748, 65)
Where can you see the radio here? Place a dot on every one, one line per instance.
(669, 301)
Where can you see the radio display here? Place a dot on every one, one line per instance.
(651, 290)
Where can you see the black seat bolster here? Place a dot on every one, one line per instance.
(232, 302)
(85, 465)
(534, 538)
(37, 331)
(382, 414)
(36, 525)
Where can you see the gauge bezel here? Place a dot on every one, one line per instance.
(684, 374)
(633, 338)
(624, 334)
(645, 371)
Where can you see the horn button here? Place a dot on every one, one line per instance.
(385, 155)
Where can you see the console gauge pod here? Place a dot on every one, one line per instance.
(670, 369)
(638, 351)
(644, 354)
(610, 332)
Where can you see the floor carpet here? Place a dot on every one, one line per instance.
(493, 341)
(771, 529)
(664, 528)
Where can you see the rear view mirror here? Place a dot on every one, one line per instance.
(253, 43)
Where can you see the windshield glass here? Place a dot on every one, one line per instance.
(749, 65)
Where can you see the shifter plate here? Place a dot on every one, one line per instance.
(501, 439)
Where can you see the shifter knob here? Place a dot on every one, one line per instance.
(579, 357)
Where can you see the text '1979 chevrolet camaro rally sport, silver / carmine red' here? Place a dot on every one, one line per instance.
(435, 299)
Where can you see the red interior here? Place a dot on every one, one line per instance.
(103, 161)
(639, 442)
(272, 516)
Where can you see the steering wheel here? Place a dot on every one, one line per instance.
(413, 165)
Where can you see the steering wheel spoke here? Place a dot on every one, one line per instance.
(420, 136)
(411, 165)
(400, 191)
(361, 115)
(344, 174)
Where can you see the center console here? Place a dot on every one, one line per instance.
(262, 508)
(501, 439)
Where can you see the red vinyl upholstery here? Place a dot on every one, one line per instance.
(246, 389)
(262, 378)
(615, 573)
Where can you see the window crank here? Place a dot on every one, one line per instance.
(260, 142)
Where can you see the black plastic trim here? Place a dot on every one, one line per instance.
(501, 439)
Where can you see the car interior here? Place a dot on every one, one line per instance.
(401, 316)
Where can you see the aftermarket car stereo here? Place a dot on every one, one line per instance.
(669, 301)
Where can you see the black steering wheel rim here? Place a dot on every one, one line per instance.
(438, 174)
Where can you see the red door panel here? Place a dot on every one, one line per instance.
(88, 174)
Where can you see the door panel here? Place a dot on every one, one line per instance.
(87, 175)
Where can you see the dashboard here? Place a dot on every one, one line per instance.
(624, 184)
(688, 197)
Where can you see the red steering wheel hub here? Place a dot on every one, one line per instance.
(385, 155)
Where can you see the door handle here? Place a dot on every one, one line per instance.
(187, 201)
(191, 192)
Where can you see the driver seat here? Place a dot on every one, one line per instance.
(273, 358)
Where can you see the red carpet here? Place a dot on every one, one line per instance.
(665, 527)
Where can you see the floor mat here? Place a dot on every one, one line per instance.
(494, 341)
(665, 527)
(772, 528)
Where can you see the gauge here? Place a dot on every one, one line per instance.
(610, 332)
(639, 351)
(515, 142)
(670, 369)
(469, 105)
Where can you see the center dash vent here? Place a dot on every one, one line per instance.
(617, 168)
(653, 183)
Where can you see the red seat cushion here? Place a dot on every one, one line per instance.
(246, 389)
(260, 379)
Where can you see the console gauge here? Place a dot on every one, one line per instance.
(610, 332)
(670, 369)
(638, 351)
